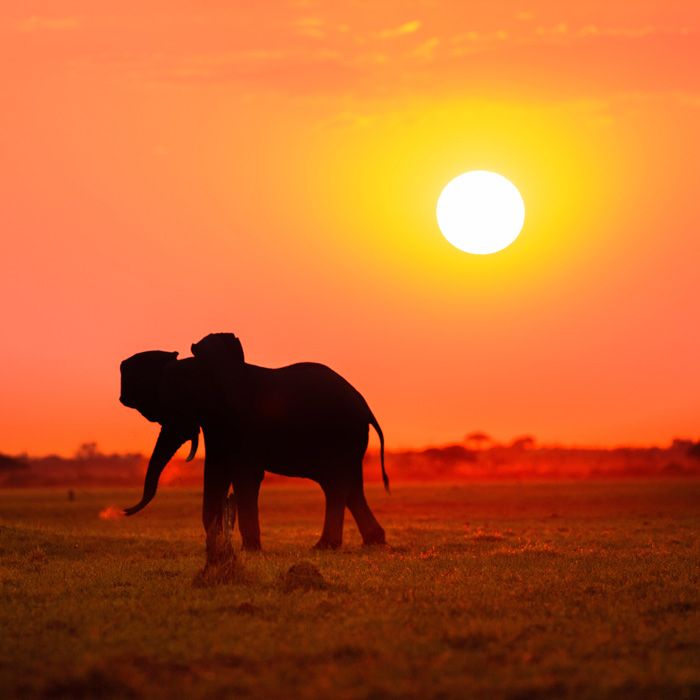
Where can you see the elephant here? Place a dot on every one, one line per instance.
(301, 420)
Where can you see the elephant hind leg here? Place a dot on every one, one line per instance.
(336, 498)
(247, 491)
(370, 529)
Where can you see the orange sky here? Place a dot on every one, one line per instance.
(273, 170)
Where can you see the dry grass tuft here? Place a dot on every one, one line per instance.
(226, 571)
(481, 536)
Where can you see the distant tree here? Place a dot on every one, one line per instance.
(8, 463)
(449, 454)
(694, 451)
(681, 444)
(524, 442)
(477, 440)
(87, 451)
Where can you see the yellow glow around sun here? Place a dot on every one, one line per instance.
(388, 174)
(480, 212)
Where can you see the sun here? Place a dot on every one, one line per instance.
(480, 212)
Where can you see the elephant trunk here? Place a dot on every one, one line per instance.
(193, 448)
(168, 443)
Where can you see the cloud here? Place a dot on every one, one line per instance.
(498, 35)
(403, 29)
(36, 23)
(291, 70)
(308, 52)
(311, 26)
(426, 49)
(472, 42)
(632, 32)
(560, 29)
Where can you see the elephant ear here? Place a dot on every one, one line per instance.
(220, 356)
(141, 377)
(219, 350)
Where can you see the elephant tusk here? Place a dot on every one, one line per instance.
(193, 448)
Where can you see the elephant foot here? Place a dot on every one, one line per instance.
(377, 540)
(220, 552)
(219, 571)
(219, 545)
(327, 544)
(252, 546)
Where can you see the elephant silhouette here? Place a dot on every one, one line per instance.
(300, 420)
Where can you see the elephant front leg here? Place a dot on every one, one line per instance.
(215, 513)
(247, 491)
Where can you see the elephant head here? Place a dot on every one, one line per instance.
(164, 390)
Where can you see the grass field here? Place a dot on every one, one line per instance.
(587, 589)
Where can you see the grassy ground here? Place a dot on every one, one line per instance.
(487, 590)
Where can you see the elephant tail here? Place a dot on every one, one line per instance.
(375, 424)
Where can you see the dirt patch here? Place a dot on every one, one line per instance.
(303, 576)
(539, 692)
(248, 609)
(676, 608)
(347, 653)
(94, 684)
(482, 536)
(469, 642)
